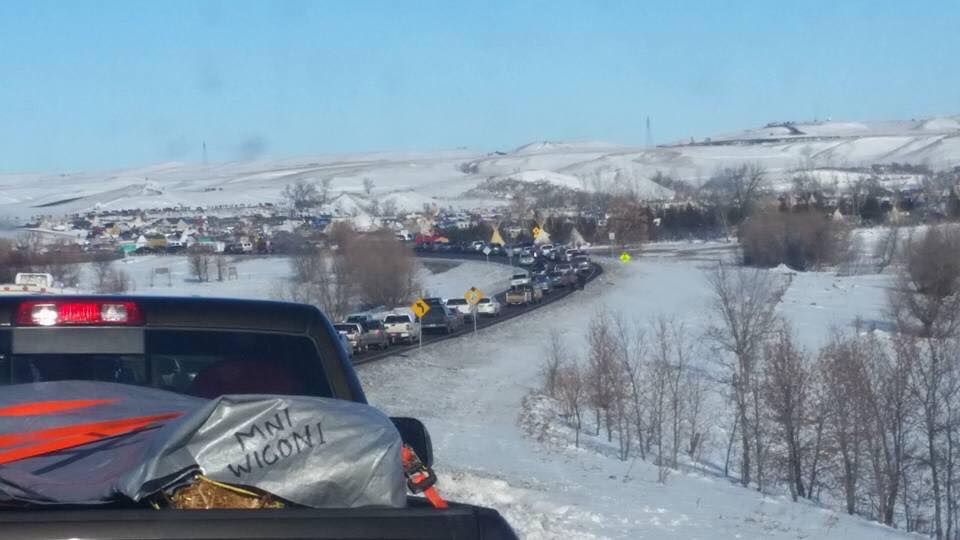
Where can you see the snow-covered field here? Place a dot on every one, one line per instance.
(259, 277)
(549, 489)
(442, 178)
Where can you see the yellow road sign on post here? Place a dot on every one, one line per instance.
(625, 257)
(473, 296)
(420, 308)
(536, 232)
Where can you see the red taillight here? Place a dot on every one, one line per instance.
(89, 312)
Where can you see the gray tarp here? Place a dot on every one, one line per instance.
(317, 452)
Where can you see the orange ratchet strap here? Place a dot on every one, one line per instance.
(420, 478)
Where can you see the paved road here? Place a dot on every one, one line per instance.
(483, 322)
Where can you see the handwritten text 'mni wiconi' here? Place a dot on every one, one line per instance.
(275, 439)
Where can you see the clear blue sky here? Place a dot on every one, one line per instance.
(86, 85)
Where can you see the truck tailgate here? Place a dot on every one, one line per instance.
(458, 521)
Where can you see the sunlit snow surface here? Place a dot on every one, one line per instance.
(470, 392)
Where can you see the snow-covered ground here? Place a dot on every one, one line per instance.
(442, 178)
(258, 277)
(549, 489)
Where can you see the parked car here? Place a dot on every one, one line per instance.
(582, 264)
(561, 280)
(571, 254)
(564, 268)
(354, 335)
(461, 305)
(521, 278)
(496, 249)
(544, 283)
(359, 318)
(489, 307)
(441, 318)
(375, 335)
(523, 294)
(526, 259)
(401, 328)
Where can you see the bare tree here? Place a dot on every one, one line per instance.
(220, 263)
(744, 302)
(786, 385)
(301, 195)
(367, 186)
(842, 369)
(324, 191)
(321, 279)
(383, 269)
(572, 393)
(926, 300)
(739, 189)
(199, 260)
(555, 358)
(109, 280)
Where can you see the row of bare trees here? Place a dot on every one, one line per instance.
(870, 422)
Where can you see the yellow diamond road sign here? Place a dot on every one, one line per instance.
(473, 295)
(420, 308)
(536, 232)
(625, 257)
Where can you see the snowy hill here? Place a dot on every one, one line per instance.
(499, 445)
(444, 177)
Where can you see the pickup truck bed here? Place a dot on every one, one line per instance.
(417, 521)
(172, 344)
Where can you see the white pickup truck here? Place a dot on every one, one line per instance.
(29, 283)
(401, 328)
(518, 280)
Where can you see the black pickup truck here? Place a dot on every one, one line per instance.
(175, 344)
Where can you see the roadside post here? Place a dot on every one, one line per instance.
(486, 252)
(420, 308)
(473, 296)
(612, 236)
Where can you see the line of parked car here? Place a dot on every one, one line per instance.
(361, 333)
(543, 277)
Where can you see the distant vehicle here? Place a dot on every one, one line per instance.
(544, 283)
(489, 307)
(461, 305)
(359, 318)
(401, 328)
(441, 318)
(561, 280)
(523, 294)
(526, 259)
(546, 249)
(375, 335)
(478, 245)
(582, 264)
(571, 254)
(354, 335)
(565, 268)
(29, 283)
(522, 278)
(497, 249)
(434, 301)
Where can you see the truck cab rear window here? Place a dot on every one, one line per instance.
(201, 363)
